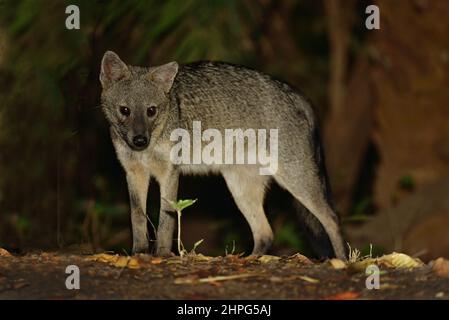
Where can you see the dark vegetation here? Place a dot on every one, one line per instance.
(381, 97)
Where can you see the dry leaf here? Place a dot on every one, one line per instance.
(360, 266)
(399, 260)
(441, 267)
(238, 259)
(121, 262)
(133, 263)
(268, 259)
(393, 260)
(103, 257)
(116, 260)
(200, 257)
(337, 264)
(156, 260)
(300, 259)
(4, 253)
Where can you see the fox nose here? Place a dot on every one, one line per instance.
(140, 141)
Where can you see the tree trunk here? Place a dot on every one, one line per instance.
(411, 80)
(349, 120)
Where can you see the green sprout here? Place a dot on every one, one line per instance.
(178, 206)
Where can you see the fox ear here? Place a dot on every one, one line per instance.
(164, 75)
(112, 69)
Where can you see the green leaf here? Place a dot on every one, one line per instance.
(182, 204)
(407, 183)
(25, 14)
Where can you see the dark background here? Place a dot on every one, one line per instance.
(381, 97)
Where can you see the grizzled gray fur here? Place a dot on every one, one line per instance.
(144, 105)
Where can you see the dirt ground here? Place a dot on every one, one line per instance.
(42, 276)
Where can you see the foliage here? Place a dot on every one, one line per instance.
(56, 153)
(182, 204)
(288, 236)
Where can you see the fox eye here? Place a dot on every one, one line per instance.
(151, 111)
(125, 111)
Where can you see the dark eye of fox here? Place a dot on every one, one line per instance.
(125, 111)
(151, 111)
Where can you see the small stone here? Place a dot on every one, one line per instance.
(441, 267)
(268, 259)
(337, 264)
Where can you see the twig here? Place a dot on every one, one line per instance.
(225, 278)
(215, 279)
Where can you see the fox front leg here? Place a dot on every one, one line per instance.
(138, 182)
(167, 216)
(138, 179)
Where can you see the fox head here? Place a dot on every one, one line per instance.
(135, 99)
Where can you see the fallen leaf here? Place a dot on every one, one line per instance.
(4, 253)
(116, 260)
(337, 264)
(347, 295)
(200, 257)
(300, 259)
(268, 259)
(121, 262)
(360, 266)
(103, 257)
(392, 260)
(441, 267)
(156, 260)
(238, 259)
(399, 260)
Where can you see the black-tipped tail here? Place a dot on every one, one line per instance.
(316, 236)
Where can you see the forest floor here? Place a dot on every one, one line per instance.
(104, 276)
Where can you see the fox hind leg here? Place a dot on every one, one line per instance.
(308, 188)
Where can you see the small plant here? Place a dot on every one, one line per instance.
(195, 245)
(407, 183)
(232, 250)
(355, 254)
(178, 206)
